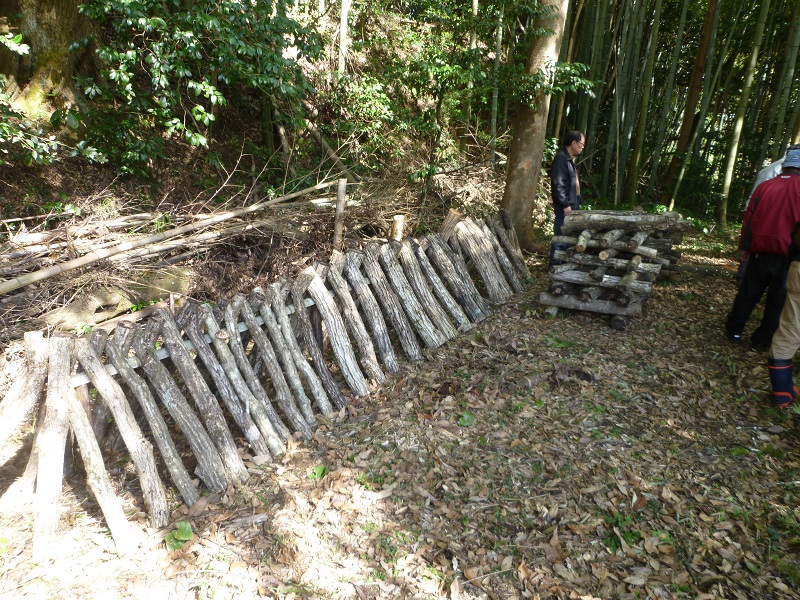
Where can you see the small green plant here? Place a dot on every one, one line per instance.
(182, 533)
(622, 524)
(82, 328)
(466, 419)
(739, 451)
(318, 472)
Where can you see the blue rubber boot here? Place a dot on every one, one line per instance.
(784, 391)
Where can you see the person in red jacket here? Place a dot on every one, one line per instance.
(764, 242)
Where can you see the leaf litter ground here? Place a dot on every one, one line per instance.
(528, 458)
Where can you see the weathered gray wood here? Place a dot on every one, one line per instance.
(258, 303)
(591, 293)
(210, 467)
(567, 266)
(257, 405)
(607, 307)
(639, 287)
(619, 245)
(390, 305)
(355, 325)
(189, 320)
(283, 395)
(24, 393)
(117, 351)
(613, 263)
(626, 281)
(275, 300)
(628, 298)
(141, 451)
(417, 316)
(98, 412)
(419, 284)
(456, 278)
(598, 273)
(98, 480)
(52, 441)
(608, 253)
(439, 288)
(596, 221)
(609, 237)
(635, 263)
(506, 265)
(370, 310)
(512, 249)
(314, 348)
(337, 332)
(480, 250)
(207, 405)
(583, 239)
(637, 239)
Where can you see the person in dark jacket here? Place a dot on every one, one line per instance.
(565, 184)
(764, 243)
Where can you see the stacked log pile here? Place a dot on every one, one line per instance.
(243, 367)
(611, 260)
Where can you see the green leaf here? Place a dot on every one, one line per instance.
(183, 530)
(73, 119)
(318, 472)
(466, 419)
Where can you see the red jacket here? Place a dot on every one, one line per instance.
(771, 215)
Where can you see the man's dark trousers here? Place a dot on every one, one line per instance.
(764, 271)
(559, 223)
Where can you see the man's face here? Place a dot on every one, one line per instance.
(576, 148)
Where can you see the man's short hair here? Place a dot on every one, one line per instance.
(572, 136)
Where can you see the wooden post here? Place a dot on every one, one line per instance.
(398, 223)
(338, 222)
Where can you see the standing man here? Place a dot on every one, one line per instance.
(764, 244)
(565, 184)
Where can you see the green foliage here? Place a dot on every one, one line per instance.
(167, 70)
(466, 419)
(318, 472)
(176, 538)
(622, 524)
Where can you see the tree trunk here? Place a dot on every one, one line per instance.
(530, 128)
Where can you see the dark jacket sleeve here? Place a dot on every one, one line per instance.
(560, 180)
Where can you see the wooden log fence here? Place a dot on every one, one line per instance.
(253, 365)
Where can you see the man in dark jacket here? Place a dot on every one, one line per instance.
(766, 235)
(565, 184)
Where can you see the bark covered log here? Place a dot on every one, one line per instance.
(599, 221)
(439, 288)
(639, 287)
(458, 283)
(508, 242)
(481, 252)
(607, 307)
(505, 262)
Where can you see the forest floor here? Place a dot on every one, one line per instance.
(528, 458)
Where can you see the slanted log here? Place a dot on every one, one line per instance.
(207, 405)
(460, 268)
(337, 332)
(257, 302)
(608, 253)
(591, 293)
(117, 352)
(597, 221)
(439, 288)
(634, 263)
(355, 325)
(598, 273)
(640, 287)
(506, 266)
(419, 284)
(391, 307)
(458, 281)
(272, 429)
(607, 307)
(99, 482)
(370, 310)
(609, 237)
(417, 316)
(24, 393)
(51, 442)
(189, 320)
(283, 395)
(481, 252)
(274, 301)
(583, 240)
(210, 467)
(314, 348)
(141, 451)
(98, 412)
(637, 239)
(512, 250)
(645, 251)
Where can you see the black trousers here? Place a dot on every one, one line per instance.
(764, 272)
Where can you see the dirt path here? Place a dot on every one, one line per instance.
(528, 458)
